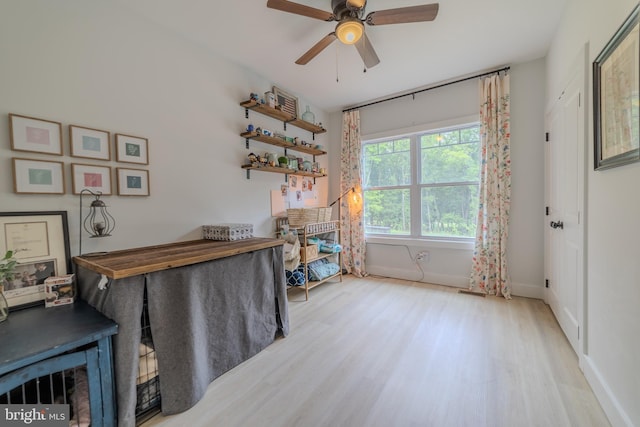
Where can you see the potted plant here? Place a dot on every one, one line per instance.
(283, 161)
(7, 265)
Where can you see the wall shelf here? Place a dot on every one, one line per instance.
(279, 142)
(280, 115)
(285, 171)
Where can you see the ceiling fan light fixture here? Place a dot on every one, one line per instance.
(349, 31)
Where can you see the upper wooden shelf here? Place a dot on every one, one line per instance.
(279, 142)
(282, 116)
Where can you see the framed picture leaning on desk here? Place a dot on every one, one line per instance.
(41, 244)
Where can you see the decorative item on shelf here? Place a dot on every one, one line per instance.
(7, 265)
(272, 159)
(227, 232)
(253, 159)
(254, 96)
(98, 222)
(266, 132)
(270, 99)
(315, 167)
(296, 141)
(250, 127)
(307, 166)
(308, 116)
(283, 161)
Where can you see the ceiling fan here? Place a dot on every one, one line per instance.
(351, 18)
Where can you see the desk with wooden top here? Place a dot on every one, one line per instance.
(211, 306)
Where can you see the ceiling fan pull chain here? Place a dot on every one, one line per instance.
(337, 71)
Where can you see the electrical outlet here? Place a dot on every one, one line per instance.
(422, 256)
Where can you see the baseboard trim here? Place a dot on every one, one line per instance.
(517, 289)
(611, 406)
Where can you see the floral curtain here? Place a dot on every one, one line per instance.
(489, 271)
(351, 214)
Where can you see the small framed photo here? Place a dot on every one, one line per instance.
(35, 135)
(288, 103)
(89, 143)
(132, 182)
(132, 149)
(91, 177)
(37, 177)
(616, 97)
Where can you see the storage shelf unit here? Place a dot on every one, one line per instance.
(315, 229)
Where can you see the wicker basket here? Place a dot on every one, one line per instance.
(301, 217)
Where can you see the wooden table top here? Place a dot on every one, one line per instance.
(132, 262)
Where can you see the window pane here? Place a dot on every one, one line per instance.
(449, 211)
(387, 211)
(459, 162)
(387, 163)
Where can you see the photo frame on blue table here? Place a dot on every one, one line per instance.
(616, 97)
(41, 244)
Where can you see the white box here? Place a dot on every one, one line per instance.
(227, 232)
(59, 290)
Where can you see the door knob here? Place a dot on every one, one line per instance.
(558, 224)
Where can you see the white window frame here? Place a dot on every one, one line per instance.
(414, 132)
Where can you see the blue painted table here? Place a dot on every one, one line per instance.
(39, 340)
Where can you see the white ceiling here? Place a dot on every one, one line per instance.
(468, 36)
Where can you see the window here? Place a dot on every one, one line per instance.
(424, 184)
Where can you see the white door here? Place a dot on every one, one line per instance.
(565, 177)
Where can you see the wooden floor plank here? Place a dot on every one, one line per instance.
(386, 352)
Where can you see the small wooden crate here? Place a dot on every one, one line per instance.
(308, 253)
(300, 217)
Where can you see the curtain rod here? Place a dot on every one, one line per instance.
(426, 89)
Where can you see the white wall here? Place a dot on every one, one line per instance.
(94, 64)
(450, 264)
(613, 271)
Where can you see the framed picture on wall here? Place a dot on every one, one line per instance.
(35, 135)
(616, 89)
(132, 149)
(89, 143)
(37, 177)
(91, 177)
(132, 182)
(41, 244)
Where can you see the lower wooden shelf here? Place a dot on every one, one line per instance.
(284, 171)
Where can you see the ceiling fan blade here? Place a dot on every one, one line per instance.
(403, 15)
(300, 9)
(316, 49)
(367, 52)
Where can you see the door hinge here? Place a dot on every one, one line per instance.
(546, 137)
(546, 283)
(546, 210)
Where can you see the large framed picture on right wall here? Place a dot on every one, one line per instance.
(616, 97)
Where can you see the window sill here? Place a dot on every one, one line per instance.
(422, 243)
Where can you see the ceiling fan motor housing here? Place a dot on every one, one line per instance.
(341, 10)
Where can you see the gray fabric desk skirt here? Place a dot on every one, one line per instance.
(205, 319)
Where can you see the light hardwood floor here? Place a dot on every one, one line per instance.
(385, 352)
